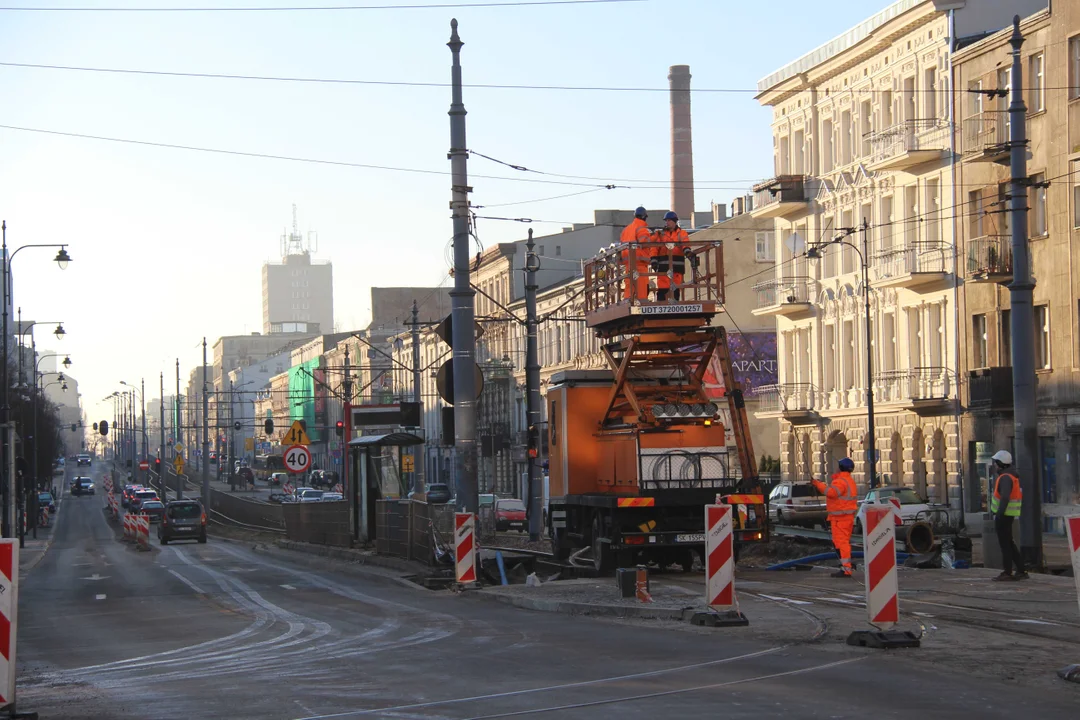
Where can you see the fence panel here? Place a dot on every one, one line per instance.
(317, 523)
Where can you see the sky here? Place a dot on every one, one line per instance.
(168, 244)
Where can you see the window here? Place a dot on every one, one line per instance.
(830, 358)
(885, 219)
(930, 90)
(846, 253)
(827, 156)
(888, 342)
(1002, 216)
(1038, 83)
(1074, 169)
(1037, 202)
(1074, 67)
(886, 110)
(799, 152)
(978, 341)
(847, 131)
(558, 250)
(764, 249)
(866, 125)
(1042, 337)
(849, 354)
(976, 98)
(975, 214)
(785, 155)
(911, 215)
(829, 252)
(932, 211)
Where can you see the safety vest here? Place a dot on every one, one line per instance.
(1016, 497)
(679, 239)
(846, 501)
(637, 232)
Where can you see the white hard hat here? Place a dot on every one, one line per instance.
(1003, 456)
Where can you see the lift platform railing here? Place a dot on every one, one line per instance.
(611, 277)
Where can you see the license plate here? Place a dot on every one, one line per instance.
(691, 538)
(184, 529)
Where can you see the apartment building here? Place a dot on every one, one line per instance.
(864, 150)
(1050, 59)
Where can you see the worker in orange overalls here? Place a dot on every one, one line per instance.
(841, 503)
(675, 257)
(637, 232)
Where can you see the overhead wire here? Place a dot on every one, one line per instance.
(312, 8)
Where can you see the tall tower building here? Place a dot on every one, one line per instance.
(298, 292)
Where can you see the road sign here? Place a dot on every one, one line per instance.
(249, 444)
(407, 463)
(297, 459)
(178, 463)
(444, 380)
(296, 435)
(178, 448)
(143, 465)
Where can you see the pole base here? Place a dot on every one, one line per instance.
(730, 618)
(884, 639)
(1070, 673)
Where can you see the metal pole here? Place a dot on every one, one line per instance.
(142, 407)
(462, 297)
(346, 386)
(1025, 430)
(532, 392)
(5, 407)
(871, 444)
(418, 460)
(206, 435)
(161, 446)
(179, 430)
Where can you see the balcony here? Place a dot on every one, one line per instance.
(918, 388)
(779, 197)
(786, 297)
(991, 390)
(910, 143)
(989, 259)
(986, 137)
(794, 402)
(916, 265)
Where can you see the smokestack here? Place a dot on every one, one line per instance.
(682, 149)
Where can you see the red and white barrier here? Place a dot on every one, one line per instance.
(719, 558)
(287, 488)
(142, 534)
(465, 547)
(879, 555)
(9, 606)
(338, 488)
(1072, 528)
(128, 526)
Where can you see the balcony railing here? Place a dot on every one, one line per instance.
(914, 259)
(989, 258)
(986, 133)
(783, 291)
(779, 195)
(914, 385)
(786, 398)
(991, 389)
(916, 140)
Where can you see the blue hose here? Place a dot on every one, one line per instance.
(502, 567)
(900, 557)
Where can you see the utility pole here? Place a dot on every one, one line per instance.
(462, 298)
(145, 437)
(205, 435)
(1022, 317)
(532, 391)
(871, 432)
(418, 461)
(179, 429)
(161, 447)
(346, 386)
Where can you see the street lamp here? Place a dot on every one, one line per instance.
(814, 253)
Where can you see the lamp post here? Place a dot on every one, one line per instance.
(135, 456)
(814, 253)
(62, 259)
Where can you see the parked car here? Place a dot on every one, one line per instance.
(310, 495)
(438, 493)
(510, 515)
(487, 500)
(155, 509)
(182, 520)
(46, 500)
(82, 486)
(141, 496)
(331, 497)
(912, 507)
(798, 503)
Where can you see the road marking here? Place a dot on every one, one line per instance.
(95, 576)
(99, 597)
(289, 587)
(1033, 622)
(793, 601)
(187, 582)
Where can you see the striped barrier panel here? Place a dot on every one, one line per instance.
(465, 547)
(9, 606)
(719, 558)
(143, 530)
(879, 553)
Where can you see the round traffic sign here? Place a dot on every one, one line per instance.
(297, 459)
(143, 465)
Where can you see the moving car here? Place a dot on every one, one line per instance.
(82, 486)
(127, 494)
(141, 496)
(798, 503)
(438, 493)
(82, 459)
(278, 478)
(182, 520)
(510, 515)
(155, 509)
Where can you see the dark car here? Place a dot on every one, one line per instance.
(127, 494)
(438, 493)
(510, 515)
(154, 508)
(141, 496)
(45, 500)
(182, 520)
(82, 486)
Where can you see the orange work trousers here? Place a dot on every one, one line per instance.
(642, 282)
(842, 526)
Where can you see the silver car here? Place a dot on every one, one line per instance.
(797, 503)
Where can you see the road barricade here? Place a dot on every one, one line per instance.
(142, 531)
(1072, 531)
(9, 607)
(465, 547)
(882, 589)
(720, 571)
(128, 526)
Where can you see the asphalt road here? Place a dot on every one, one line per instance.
(221, 631)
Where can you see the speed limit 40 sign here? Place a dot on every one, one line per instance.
(297, 459)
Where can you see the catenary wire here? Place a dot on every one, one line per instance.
(314, 8)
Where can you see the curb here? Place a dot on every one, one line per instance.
(577, 608)
(30, 566)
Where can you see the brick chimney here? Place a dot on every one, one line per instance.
(682, 150)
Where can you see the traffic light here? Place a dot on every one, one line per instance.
(268, 426)
(74, 427)
(103, 427)
(95, 427)
(157, 465)
(237, 425)
(534, 441)
(339, 428)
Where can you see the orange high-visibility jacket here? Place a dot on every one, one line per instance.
(841, 495)
(637, 232)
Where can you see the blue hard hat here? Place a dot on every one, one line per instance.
(641, 213)
(669, 215)
(847, 464)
